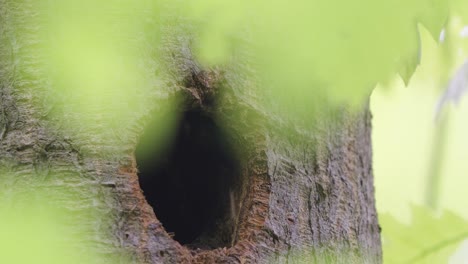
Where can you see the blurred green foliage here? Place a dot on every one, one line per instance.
(33, 230)
(299, 51)
(429, 238)
(304, 48)
(404, 136)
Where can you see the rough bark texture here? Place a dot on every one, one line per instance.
(303, 195)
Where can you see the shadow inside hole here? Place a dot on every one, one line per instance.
(190, 182)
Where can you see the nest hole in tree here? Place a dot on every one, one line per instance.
(194, 184)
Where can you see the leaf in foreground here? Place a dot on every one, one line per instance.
(428, 239)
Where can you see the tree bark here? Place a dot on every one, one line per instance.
(299, 195)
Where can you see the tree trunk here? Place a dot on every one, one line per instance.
(255, 190)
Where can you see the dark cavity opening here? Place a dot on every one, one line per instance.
(191, 184)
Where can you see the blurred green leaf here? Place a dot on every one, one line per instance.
(45, 221)
(429, 239)
(301, 52)
(32, 231)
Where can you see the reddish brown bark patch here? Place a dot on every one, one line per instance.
(243, 189)
(143, 230)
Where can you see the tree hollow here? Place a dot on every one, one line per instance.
(191, 183)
